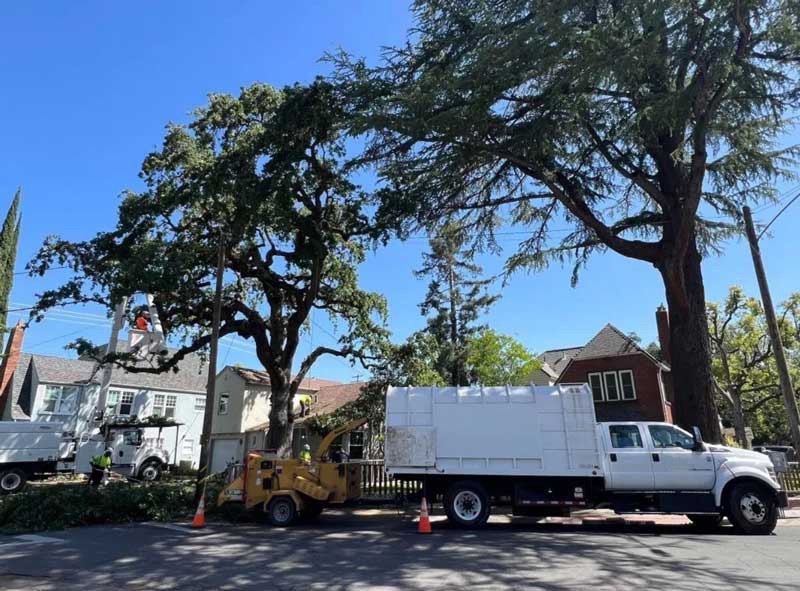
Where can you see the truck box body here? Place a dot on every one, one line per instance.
(23, 441)
(502, 431)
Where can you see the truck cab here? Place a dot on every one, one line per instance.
(659, 467)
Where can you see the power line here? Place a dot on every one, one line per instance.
(777, 215)
(63, 336)
(47, 271)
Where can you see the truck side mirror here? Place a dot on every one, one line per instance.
(698, 439)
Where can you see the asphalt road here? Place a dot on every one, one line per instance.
(383, 551)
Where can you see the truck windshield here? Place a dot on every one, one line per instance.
(669, 436)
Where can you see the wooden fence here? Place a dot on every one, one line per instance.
(376, 483)
(790, 480)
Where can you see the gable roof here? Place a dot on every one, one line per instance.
(557, 359)
(612, 342)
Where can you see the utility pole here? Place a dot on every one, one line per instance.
(208, 415)
(774, 333)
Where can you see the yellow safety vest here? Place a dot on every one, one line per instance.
(101, 462)
(305, 456)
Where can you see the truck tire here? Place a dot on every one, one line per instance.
(12, 481)
(281, 512)
(706, 522)
(150, 471)
(467, 504)
(752, 509)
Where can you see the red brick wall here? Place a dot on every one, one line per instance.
(648, 405)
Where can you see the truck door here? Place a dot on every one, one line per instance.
(675, 465)
(124, 444)
(629, 462)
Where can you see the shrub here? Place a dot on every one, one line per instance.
(59, 506)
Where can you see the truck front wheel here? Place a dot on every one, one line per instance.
(151, 471)
(752, 509)
(467, 504)
(12, 481)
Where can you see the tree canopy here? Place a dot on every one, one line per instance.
(637, 127)
(267, 172)
(495, 359)
(9, 238)
(457, 295)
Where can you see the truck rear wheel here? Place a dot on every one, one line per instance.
(281, 512)
(752, 509)
(467, 504)
(12, 481)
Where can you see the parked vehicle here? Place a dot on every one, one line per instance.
(786, 450)
(32, 450)
(541, 451)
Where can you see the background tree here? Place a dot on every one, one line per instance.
(745, 368)
(456, 297)
(9, 238)
(632, 123)
(268, 171)
(494, 359)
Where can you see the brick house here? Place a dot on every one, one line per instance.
(627, 382)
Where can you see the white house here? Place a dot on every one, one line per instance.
(45, 388)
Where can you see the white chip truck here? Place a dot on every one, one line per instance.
(30, 450)
(541, 450)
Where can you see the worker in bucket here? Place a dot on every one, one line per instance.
(100, 465)
(143, 321)
(305, 455)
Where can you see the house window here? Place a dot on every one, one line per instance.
(164, 406)
(119, 403)
(200, 403)
(59, 400)
(222, 409)
(357, 445)
(626, 384)
(596, 384)
(623, 436)
(612, 386)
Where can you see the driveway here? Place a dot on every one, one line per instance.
(381, 550)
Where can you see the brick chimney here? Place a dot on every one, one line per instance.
(662, 321)
(10, 360)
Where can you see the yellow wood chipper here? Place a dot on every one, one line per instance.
(285, 490)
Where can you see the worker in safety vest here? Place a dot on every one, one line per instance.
(100, 465)
(143, 321)
(305, 455)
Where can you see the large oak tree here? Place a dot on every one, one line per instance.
(267, 172)
(641, 126)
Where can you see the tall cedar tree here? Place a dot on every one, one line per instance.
(456, 297)
(268, 169)
(9, 238)
(630, 123)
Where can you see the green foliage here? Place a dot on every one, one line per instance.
(268, 173)
(744, 365)
(494, 359)
(639, 127)
(456, 297)
(9, 237)
(58, 506)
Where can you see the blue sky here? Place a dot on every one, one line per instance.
(89, 86)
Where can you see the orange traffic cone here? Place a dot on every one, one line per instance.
(200, 515)
(424, 520)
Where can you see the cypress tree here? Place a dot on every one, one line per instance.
(9, 236)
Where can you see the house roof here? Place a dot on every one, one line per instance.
(612, 342)
(254, 376)
(19, 396)
(333, 397)
(557, 359)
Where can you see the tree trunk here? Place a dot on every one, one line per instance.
(738, 420)
(455, 378)
(281, 425)
(690, 350)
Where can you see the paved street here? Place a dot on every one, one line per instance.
(379, 550)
